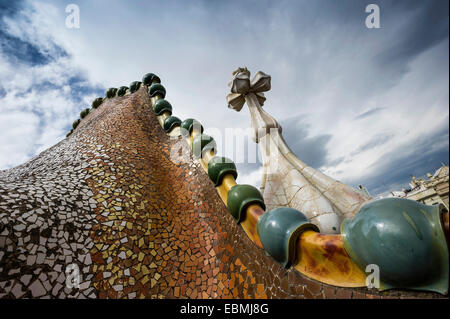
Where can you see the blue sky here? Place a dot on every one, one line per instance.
(366, 106)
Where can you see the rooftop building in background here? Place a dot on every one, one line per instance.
(431, 191)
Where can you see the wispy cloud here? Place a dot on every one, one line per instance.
(369, 113)
(42, 91)
(375, 141)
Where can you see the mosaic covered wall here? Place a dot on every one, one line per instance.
(109, 200)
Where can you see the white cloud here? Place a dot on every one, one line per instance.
(17, 139)
(252, 178)
(39, 106)
(416, 107)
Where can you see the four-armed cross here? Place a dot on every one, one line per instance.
(251, 92)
